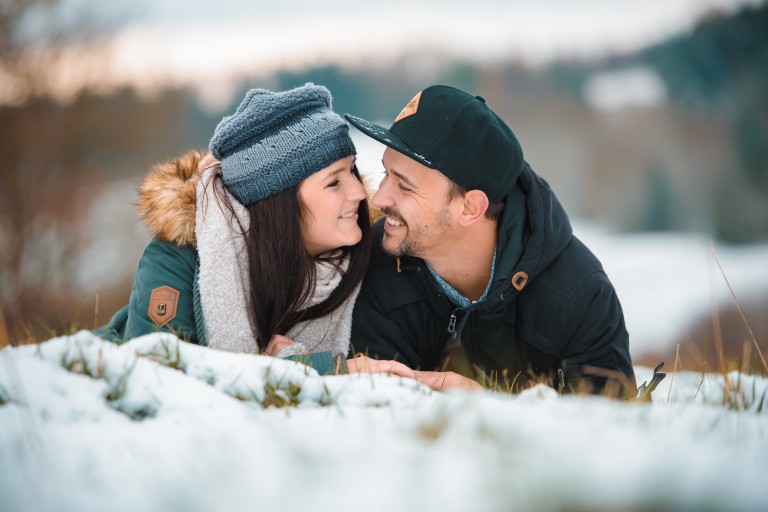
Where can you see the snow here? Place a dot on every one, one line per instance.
(158, 424)
(667, 281)
(638, 86)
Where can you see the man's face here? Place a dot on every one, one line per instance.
(415, 200)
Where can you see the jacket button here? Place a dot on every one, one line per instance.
(519, 280)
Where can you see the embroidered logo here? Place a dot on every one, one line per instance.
(410, 108)
(163, 304)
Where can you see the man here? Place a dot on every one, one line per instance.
(475, 268)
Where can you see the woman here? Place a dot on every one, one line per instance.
(261, 247)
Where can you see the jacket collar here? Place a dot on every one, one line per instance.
(167, 199)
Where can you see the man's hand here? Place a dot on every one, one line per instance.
(447, 380)
(363, 364)
(435, 380)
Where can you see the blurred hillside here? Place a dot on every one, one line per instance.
(673, 137)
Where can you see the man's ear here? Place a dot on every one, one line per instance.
(474, 205)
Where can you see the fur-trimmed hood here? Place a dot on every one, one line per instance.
(167, 199)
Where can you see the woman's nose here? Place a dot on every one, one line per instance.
(356, 191)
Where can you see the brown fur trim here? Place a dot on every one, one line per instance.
(167, 199)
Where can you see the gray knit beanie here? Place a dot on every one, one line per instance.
(274, 140)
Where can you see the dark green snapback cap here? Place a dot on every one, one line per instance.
(457, 134)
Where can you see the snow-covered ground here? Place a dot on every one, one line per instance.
(667, 281)
(157, 424)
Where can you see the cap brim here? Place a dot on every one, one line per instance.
(387, 138)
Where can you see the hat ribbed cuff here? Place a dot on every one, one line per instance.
(288, 170)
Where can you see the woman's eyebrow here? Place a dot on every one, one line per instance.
(335, 172)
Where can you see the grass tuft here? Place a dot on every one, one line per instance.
(280, 396)
(119, 386)
(167, 353)
(434, 428)
(743, 316)
(5, 396)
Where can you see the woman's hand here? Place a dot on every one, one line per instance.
(277, 344)
(435, 380)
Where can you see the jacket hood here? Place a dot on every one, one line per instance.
(533, 231)
(167, 199)
(548, 230)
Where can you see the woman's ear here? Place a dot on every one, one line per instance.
(474, 205)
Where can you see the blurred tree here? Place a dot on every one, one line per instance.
(56, 155)
(659, 213)
(30, 181)
(569, 78)
(375, 93)
(720, 69)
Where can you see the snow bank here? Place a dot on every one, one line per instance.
(157, 424)
(667, 281)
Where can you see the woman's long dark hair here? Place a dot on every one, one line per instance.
(282, 272)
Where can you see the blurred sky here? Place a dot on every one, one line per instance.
(167, 42)
(241, 33)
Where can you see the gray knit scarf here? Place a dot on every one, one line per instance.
(224, 284)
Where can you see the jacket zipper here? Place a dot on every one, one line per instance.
(452, 323)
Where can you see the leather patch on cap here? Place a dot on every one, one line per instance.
(410, 108)
(163, 304)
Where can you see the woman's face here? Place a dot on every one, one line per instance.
(332, 197)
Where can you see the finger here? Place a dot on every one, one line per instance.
(275, 348)
(355, 364)
(399, 369)
(277, 343)
(365, 364)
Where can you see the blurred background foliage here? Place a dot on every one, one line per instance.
(695, 159)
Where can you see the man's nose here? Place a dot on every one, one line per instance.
(382, 198)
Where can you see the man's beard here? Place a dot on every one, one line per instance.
(410, 246)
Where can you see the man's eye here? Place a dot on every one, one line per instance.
(404, 189)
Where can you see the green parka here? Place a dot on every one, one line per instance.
(165, 296)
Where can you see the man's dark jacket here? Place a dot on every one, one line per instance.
(551, 311)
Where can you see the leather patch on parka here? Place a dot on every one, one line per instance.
(163, 304)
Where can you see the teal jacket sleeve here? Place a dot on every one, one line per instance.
(164, 270)
(323, 362)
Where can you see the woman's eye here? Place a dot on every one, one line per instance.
(334, 183)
